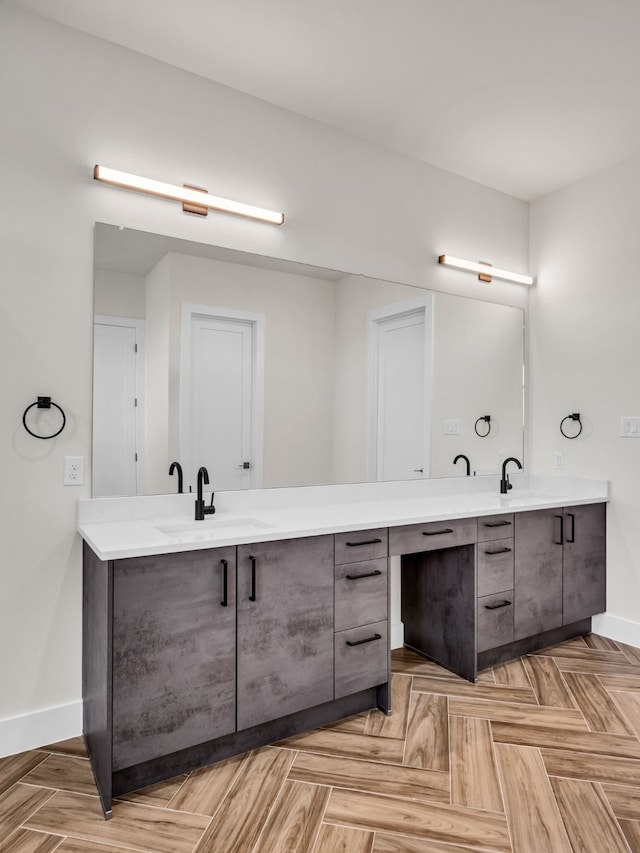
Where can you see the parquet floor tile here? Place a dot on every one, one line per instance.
(541, 755)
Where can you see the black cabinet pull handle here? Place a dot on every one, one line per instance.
(572, 536)
(365, 542)
(560, 538)
(367, 640)
(252, 597)
(367, 575)
(437, 532)
(497, 524)
(498, 604)
(499, 551)
(225, 572)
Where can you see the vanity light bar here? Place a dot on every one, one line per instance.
(190, 197)
(485, 271)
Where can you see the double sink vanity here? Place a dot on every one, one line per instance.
(204, 639)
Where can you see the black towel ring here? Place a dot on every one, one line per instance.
(573, 417)
(43, 403)
(486, 418)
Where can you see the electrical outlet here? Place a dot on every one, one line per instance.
(452, 426)
(73, 471)
(558, 459)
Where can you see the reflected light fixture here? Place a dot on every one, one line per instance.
(486, 272)
(194, 199)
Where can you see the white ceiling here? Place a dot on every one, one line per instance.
(522, 95)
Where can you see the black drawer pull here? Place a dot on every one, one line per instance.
(437, 532)
(572, 536)
(252, 597)
(366, 542)
(498, 604)
(367, 640)
(560, 538)
(225, 568)
(497, 524)
(368, 575)
(499, 551)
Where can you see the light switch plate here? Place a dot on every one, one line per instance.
(630, 427)
(451, 426)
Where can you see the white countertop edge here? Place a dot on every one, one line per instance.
(124, 537)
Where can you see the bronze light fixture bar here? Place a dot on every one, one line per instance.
(486, 272)
(194, 199)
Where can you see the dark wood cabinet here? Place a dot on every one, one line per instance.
(174, 659)
(584, 561)
(560, 567)
(538, 572)
(285, 627)
(192, 657)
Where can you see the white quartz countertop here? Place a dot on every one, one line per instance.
(117, 528)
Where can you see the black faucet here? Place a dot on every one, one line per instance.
(466, 459)
(201, 509)
(505, 485)
(176, 466)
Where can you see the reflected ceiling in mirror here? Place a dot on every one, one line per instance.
(273, 373)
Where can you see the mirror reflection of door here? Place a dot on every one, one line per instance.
(118, 406)
(401, 392)
(220, 398)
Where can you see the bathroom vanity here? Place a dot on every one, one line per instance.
(206, 639)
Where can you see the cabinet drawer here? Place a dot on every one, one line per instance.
(495, 620)
(360, 545)
(360, 593)
(413, 538)
(495, 566)
(495, 527)
(361, 658)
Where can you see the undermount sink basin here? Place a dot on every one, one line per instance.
(210, 527)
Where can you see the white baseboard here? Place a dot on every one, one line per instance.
(617, 628)
(29, 731)
(397, 635)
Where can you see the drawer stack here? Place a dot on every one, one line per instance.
(361, 644)
(495, 581)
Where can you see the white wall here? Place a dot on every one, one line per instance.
(477, 370)
(585, 322)
(69, 101)
(119, 294)
(298, 314)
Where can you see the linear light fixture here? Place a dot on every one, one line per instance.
(194, 200)
(485, 271)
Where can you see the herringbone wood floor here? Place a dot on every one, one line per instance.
(541, 756)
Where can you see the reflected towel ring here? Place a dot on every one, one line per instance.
(44, 403)
(486, 418)
(573, 417)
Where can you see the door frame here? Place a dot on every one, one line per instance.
(140, 410)
(377, 316)
(257, 322)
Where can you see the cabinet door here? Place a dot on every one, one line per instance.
(584, 568)
(285, 627)
(173, 653)
(538, 572)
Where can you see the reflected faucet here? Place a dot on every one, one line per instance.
(176, 466)
(201, 509)
(466, 459)
(505, 485)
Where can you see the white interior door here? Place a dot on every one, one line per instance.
(218, 382)
(117, 407)
(401, 395)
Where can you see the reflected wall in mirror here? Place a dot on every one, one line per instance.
(273, 373)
